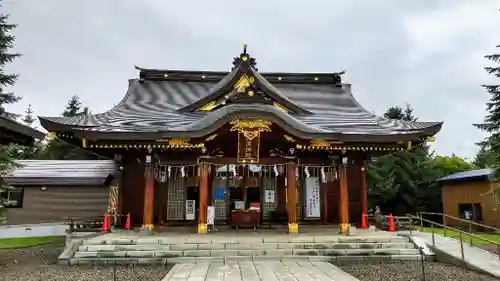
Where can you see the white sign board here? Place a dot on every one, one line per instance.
(313, 203)
(190, 210)
(270, 196)
(211, 215)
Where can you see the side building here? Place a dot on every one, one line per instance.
(51, 191)
(292, 145)
(467, 195)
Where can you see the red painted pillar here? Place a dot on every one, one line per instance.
(291, 180)
(202, 217)
(364, 195)
(147, 221)
(344, 198)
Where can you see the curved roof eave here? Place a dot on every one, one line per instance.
(211, 123)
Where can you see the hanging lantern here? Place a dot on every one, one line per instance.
(183, 172)
(275, 169)
(323, 175)
(306, 172)
(169, 171)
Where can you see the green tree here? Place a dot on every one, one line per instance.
(7, 41)
(484, 157)
(28, 117)
(491, 123)
(60, 150)
(398, 113)
(7, 161)
(7, 164)
(396, 179)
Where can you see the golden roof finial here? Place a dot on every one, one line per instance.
(244, 48)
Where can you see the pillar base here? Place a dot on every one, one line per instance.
(344, 228)
(202, 228)
(293, 228)
(147, 228)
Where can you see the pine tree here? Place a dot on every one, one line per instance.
(28, 118)
(7, 161)
(74, 107)
(491, 122)
(6, 80)
(397, 177)
(57, 149)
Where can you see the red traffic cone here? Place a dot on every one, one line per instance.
(391, 223)
(364, 224)
(105, 224)
(128, 224)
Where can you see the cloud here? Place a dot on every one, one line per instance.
(427, 53)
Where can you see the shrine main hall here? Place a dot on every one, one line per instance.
(242, 148)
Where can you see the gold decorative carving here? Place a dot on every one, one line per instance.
(430, 139)
(244, 83)
(320, 143)
(210, 138)
(250, 128)
(209, 106)
(289, 138)
(179, 142)
(281, 107)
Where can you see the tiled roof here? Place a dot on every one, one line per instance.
(165, 102)
(17, 127)
(468, 175)
(62, 172)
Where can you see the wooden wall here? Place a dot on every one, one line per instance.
(57, 203)
(454, 194)
(132, 189)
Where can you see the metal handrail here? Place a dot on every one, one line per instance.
(470, 222)
(461, 233)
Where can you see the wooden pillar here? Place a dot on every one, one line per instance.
(364, 196)
(147, 221)
(324, 197)
(343, 198)
(291, 179)
(202, 217)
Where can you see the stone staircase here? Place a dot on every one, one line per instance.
(337, 249)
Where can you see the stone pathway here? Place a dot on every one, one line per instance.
(258, 271)
(474, 256)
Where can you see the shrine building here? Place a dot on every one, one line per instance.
(242, 148)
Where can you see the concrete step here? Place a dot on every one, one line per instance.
(226, 253)
(336, 260)
(261, 246)
(244, 240)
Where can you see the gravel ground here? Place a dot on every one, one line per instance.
(39, 263)
(412, 271)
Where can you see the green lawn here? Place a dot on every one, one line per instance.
(465, 237)
(16, 243)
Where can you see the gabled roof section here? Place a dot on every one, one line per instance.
(474, 175)
(26, 133)
(62, 172)
(244, 84)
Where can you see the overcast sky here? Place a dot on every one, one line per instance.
(428, 53)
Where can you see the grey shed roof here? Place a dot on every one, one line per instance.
(481, 174)
(62, 172)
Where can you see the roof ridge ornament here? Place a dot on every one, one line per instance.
(244, 58)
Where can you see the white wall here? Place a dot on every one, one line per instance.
(33, 230)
